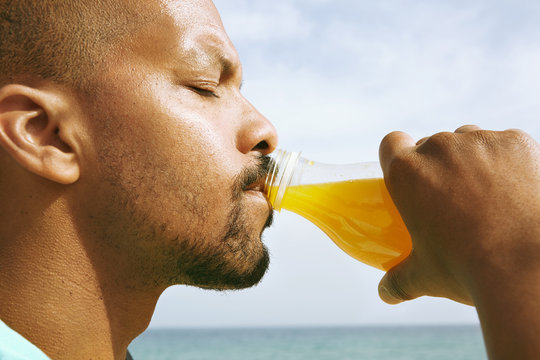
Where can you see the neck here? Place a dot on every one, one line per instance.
(56, 294)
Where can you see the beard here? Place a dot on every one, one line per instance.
(238, 262)
(233, 257)
(231, 265)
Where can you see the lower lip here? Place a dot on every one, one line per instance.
(258, 194)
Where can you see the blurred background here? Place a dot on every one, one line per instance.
(335, 76)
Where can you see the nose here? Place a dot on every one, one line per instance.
(257, 132)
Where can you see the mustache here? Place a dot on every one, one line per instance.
(251, 175)
(255, 174)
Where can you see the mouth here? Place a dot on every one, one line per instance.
(257, 185)
(256, 188)
(252, 180)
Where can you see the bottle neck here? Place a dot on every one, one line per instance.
(290, 169)
(283, 166)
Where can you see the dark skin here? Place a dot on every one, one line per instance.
(109, 198)
(471, 201)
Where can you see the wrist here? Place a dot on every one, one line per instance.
(506, 299)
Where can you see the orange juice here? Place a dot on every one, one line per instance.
(358, 215)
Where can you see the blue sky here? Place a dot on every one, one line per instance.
(335, 76)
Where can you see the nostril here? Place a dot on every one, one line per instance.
(263, 145)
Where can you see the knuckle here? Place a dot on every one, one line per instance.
(437, 143)
(391, 136)
(387, 143)
(467, 128)
(511, 137)
(421, 141)
(511, 140)
(396, 160)
(484, 137)
(518, 137)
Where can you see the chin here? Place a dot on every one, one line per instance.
(233, 276)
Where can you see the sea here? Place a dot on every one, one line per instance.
(320, 343)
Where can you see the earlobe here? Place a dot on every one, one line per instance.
(32, 123)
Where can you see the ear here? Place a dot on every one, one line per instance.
(34, 129)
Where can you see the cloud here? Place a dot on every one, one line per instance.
(335, 77)
(263, 21)
(366, 68)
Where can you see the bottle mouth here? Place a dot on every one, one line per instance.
(280, 173)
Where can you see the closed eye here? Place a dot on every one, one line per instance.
(204, 92)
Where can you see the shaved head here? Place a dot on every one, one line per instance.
(129, 161)
(64, 41)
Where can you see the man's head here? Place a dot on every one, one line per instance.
(131, 116)
(63, 40)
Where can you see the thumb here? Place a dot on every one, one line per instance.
(398, 284)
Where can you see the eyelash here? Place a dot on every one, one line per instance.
(204, 92)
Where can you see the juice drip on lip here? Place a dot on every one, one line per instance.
(358, 215)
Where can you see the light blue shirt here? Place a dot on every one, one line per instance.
(15, 347)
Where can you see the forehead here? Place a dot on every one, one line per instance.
(186, 12)
(186, 32)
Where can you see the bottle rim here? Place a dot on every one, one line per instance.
(281, 170)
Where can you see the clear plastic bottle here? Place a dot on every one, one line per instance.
(349, 203)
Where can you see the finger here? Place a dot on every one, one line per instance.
(520, 136)
(398, 284)
(393, 144)
(422, 140)
(518, 132)
(467, 128)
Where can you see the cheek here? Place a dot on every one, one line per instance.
(190, 186)
(185, 195)
(190, 182)
(173, 157)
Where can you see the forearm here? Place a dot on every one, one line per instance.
(508, 305)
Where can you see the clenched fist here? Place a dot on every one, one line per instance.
(471, 202)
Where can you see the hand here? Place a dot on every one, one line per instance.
(471, 202)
